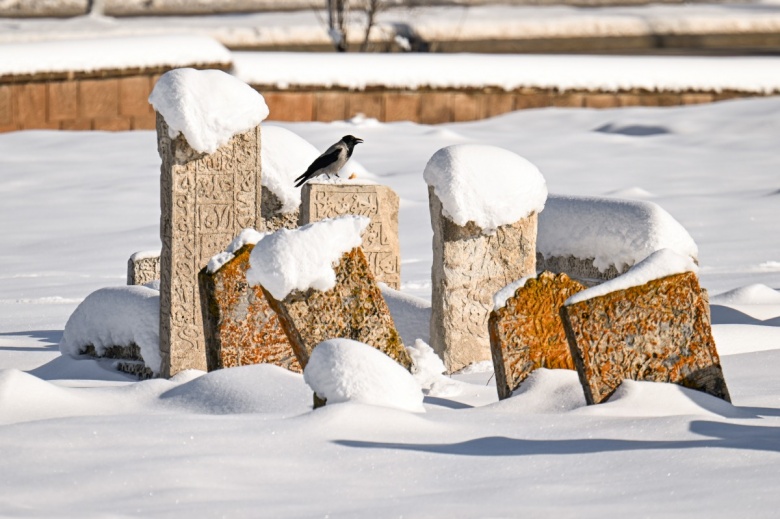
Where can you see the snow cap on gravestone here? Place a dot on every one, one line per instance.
(207, 106)
(484, 184)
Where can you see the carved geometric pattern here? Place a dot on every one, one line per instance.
(206, 200)
(144, 270)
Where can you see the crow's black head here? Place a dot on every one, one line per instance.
(351, 140)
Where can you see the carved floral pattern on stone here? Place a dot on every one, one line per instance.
(143, 271)
(656, 332)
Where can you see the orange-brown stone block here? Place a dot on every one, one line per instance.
(240, 326)
(63, 100)
(527, 333)
(99, 98)
(368, 104)
(656, 332)
(353, 309)
(330, 106)
(6, 107)
(30, 104)
(401, 107)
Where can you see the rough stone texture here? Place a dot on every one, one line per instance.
(273, 220)
(142, 271)
(353, 309)
(241, 328)
(582, 270)
(206, 200)
(468, 268)
(527, 332)
(129, 359)
(656, 332)
(379, 203)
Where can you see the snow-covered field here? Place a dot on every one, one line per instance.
(78, 440)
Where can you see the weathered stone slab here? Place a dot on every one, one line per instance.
(527, 333)
(129, 359)
(378, 203)
(206, 200)
(579, 269)
(468, 268)
(656, 332)
(143, 267)
(353, 309)
(241, 328)
(273, 218)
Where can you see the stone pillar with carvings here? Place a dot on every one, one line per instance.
(379, 203)
(206, 200)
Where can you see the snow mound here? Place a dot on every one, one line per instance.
(611, 232)
(411, 315)
(207, 106)
(245, 237)
(428, 370)
(487, 185)
(659, 264)
(116, 316)
(343, 370)
(545, 391)
(502, 296)
(259, 388)
(641, 398)
(303, 258)
(755, 294)
(285, 156)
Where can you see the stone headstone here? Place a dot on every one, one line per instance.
(143, 267)
(379, 203)
(128, 359)
(656, 332)
(241, 328)
(580, 269)
(468, 268)
(353, 309)
(527, 332)
(206, 199)
(273, 218)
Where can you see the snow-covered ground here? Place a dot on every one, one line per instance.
(79, 440)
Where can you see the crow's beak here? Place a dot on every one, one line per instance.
(358, 140)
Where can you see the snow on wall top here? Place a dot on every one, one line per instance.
(285, 156)
(609, 231)
(207, 106)
(303, 258)
(487, 185)
(89, 55)
(509, 72)
(661, 263)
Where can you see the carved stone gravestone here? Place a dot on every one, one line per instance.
(527, 333)
(206, 199)
(241, 328)
(468, 268)
(143, 267)
(379, 203)
(353, 309)
(655, 332)
(273, 218)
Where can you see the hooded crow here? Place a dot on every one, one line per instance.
(331, 161)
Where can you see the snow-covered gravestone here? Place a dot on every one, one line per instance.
(379, 203)
(648, 324)
(240, 326)
(318, 281)
(594, 239)
(484, 203)
(143, 267)
(208, 137)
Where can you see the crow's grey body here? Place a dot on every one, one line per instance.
(331, 161)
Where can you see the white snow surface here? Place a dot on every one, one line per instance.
(285, 156)
(207, 106)
(245, 237)
(304, 258)
(502, 296)
(755, 294)
(609, 231)
(343, 370)
(485, 184)
(89, 55)
(660, 264)
(116, 316)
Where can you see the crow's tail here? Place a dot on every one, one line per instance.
(301, 180)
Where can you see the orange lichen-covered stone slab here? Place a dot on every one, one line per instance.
(240, 326)
(353, 309)
(527, 333)
(656, 332)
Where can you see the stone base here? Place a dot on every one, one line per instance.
(581, 270)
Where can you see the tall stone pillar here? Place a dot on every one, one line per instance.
(206, 200)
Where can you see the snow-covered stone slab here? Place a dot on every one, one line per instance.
(484, 203)
(240, 326)
(526, 331)
(595, 239)
(143, 267)
(649, 324)
(379, 203)
(208, 137)
(318, 281)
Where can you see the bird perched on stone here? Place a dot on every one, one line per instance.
(331, 161)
